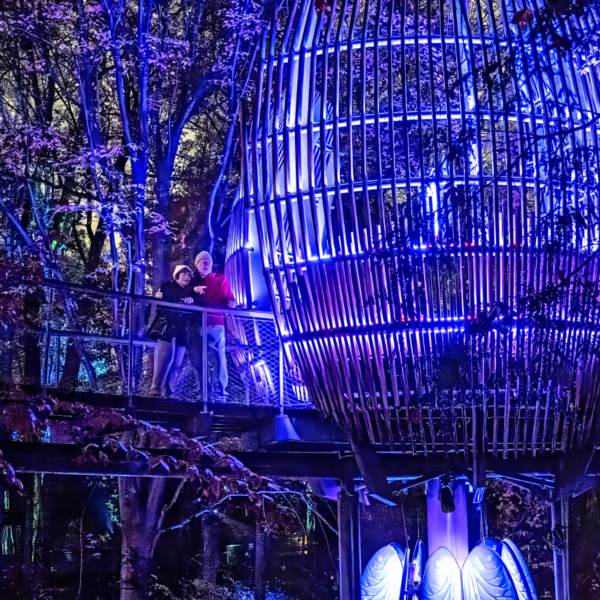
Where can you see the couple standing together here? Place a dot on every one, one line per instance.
(178, 331)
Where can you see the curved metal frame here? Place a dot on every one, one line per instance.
(417, 170)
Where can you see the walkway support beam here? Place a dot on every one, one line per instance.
(560, 529)
(349, 546)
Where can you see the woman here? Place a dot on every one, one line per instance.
(171, 329)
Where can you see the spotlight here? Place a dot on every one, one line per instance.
(446, 495)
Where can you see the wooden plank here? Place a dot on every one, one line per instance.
(517, 430)
(536, 426)
(431, 429)
(557, 419)
(506, 420)
(419, 412)
(496, 424)
(446, 431)
(546, 419)
(565, 430)
(484, 425)
(409, 420)
(475, 430)
(525, 426)
(454, 428)
(578, 388)
(463, 409)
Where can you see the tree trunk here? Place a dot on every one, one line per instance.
(260, 563)
(27, 548)
(160, 262)
(70, 372)
(32, 493)
(31, 345)
(210, 547)
(87, 308)
(33, 362)
(140, 502)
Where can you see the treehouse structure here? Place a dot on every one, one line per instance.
(420, 191)
(419, 206)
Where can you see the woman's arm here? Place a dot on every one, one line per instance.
(169, 293)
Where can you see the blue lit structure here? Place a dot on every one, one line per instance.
(383, 576)
(420, 192)
(485, 575)
(441, 580)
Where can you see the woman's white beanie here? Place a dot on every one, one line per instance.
(180, 268)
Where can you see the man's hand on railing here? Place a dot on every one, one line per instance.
(187, 300)
(159, 294)
(232, 304)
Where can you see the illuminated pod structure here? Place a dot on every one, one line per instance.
(492, 571)
(422, 184)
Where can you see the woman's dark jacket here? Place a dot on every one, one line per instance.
(171, 323)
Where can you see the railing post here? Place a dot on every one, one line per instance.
(281, 394)
(247, 380)
(130, 361)
(204, 363)
(57, 361)
(46, 356)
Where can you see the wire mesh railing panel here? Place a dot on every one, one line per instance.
(253, 351)
(21, 357)
(295, 392)
(109, 343)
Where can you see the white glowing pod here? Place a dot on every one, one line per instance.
(441, 580)
(484, 576)
(517, 568)
(383, 575)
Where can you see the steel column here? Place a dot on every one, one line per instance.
(349, 546)
(560, 527)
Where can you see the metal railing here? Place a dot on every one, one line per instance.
(94, 340)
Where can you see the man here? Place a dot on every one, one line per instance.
(211, 289)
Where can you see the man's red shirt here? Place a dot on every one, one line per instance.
(216, 293)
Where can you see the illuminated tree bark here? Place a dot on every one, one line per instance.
(260, 562)
(210, 548)
(140, 504)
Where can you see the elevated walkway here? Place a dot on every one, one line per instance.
(94, 341)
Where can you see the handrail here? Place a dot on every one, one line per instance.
(232, 312)
(78, 335)
(261, 366)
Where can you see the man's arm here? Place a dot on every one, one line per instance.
(194, 287)
(226, 294)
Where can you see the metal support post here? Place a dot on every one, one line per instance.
(349, 546)
(130, 361)
(204, 363)
(57, 361)
(247, 380)
(560, 534)
(46, 356)
(281, 394)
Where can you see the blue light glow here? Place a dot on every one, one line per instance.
(492, 571)
(485, 577)
(441, 580)
(521, 577)
(382, 577)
